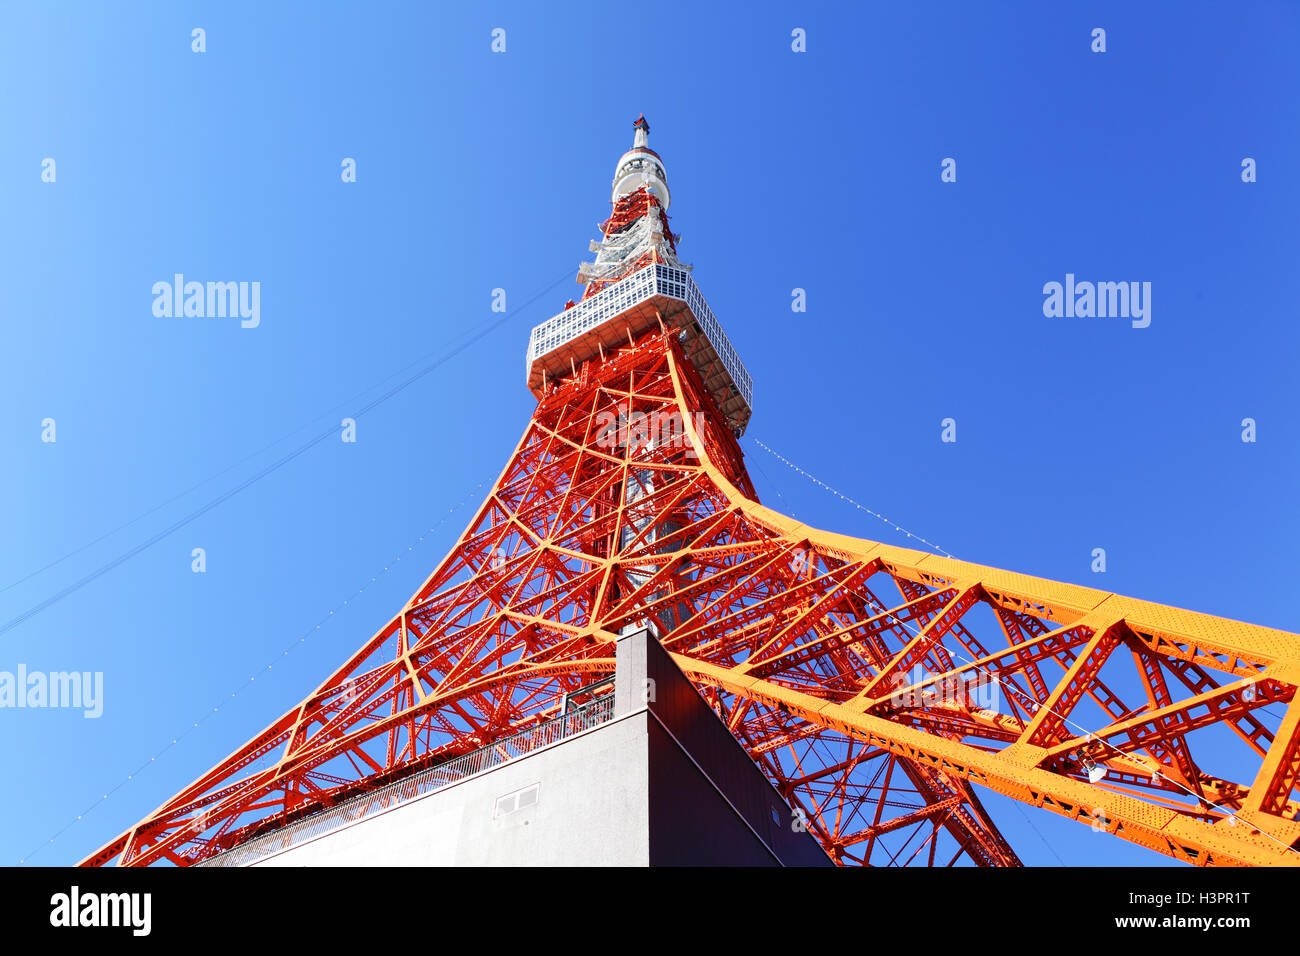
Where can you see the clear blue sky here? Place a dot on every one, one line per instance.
(478, 170)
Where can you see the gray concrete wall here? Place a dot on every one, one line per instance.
(663, 783)
(709, 803)
(590, 811)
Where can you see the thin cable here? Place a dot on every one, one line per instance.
(252, 677)
(777, 488)
(1021, 808)
(258, 476)
(856, 504)
(1023, 698)
(265, 448)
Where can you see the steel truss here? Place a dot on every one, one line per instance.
(876, 686)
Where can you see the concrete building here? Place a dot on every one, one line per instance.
(642, 774)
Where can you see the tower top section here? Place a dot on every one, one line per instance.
(641, 166)
(638, 285)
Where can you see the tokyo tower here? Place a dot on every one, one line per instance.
(877, 688)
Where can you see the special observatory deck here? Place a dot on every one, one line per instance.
(629, 307)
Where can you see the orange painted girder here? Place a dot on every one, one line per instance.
(857, 674)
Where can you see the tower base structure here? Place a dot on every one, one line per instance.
(643, 774)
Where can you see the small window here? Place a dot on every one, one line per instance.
(519, 800)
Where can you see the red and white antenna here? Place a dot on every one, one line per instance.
(637, 232)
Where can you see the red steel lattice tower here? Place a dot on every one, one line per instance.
(875, 686)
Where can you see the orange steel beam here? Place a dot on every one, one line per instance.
(876, 686)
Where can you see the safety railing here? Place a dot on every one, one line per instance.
(627, 293)
(577, 719)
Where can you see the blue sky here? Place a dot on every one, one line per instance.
(816, 170)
